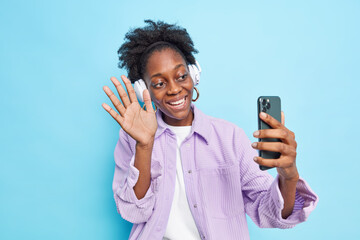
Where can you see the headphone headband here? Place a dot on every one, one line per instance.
(157, 43)
(152, 46)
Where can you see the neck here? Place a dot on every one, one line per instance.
(182, 122)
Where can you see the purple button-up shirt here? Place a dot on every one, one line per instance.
(222, 183)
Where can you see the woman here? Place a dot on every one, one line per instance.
(181, 174)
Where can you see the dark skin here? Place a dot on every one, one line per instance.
(167, 78)
(286, 164)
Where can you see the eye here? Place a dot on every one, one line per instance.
(183, 77)
(158, 85)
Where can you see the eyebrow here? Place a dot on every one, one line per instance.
(159, 74)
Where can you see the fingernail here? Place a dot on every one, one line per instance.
(256, 133)
(255, 159)
(263, 115)
(254, 144)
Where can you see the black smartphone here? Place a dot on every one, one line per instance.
(272, 106)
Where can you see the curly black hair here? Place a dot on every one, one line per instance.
(140, 43)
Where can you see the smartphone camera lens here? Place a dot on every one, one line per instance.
(263, 109)
(268, 105)
(263, 101)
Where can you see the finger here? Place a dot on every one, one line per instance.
(270, 120)
(285, 135)
(273, 133)
(280, 147)
(116, 102)
(281, 162)
(282, 118)
(114, 114)
(121, 91)
(129, 89)
(147, 101)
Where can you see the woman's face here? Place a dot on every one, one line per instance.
(170, 86)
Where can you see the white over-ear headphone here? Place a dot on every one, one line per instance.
(194, 70)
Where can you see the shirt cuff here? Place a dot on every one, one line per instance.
(133, 173)
(305, 202)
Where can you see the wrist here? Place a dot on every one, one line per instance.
(294, 178)
(145, 145)
(289, 174)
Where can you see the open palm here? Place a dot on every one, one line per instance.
(140, 124)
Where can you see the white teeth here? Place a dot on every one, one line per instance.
(178, 102)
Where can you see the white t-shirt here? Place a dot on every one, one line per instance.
(181, 224)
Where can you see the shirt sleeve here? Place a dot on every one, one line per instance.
(262, 197)
(126, 176)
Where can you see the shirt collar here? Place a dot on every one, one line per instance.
(200, 124)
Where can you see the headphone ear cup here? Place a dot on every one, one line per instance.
(194, 73)
(139, 87)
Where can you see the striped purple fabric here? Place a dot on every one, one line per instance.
(222, 183)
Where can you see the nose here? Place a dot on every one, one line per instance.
(174, 88)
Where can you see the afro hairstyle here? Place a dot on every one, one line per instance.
(140, 43)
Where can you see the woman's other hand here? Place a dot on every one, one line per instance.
(140, 124)
(286, 163)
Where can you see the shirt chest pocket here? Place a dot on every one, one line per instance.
(221, 191)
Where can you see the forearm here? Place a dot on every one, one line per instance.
(143, 164)
(288, 191)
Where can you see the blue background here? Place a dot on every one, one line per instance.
(57, 142)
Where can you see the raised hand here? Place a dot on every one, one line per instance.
(140, 124)
(286, 163)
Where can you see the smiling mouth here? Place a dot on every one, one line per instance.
(178, 104)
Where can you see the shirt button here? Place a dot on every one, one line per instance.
(195, 205)
(188, 144)
(158, 228)
(189, 171)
